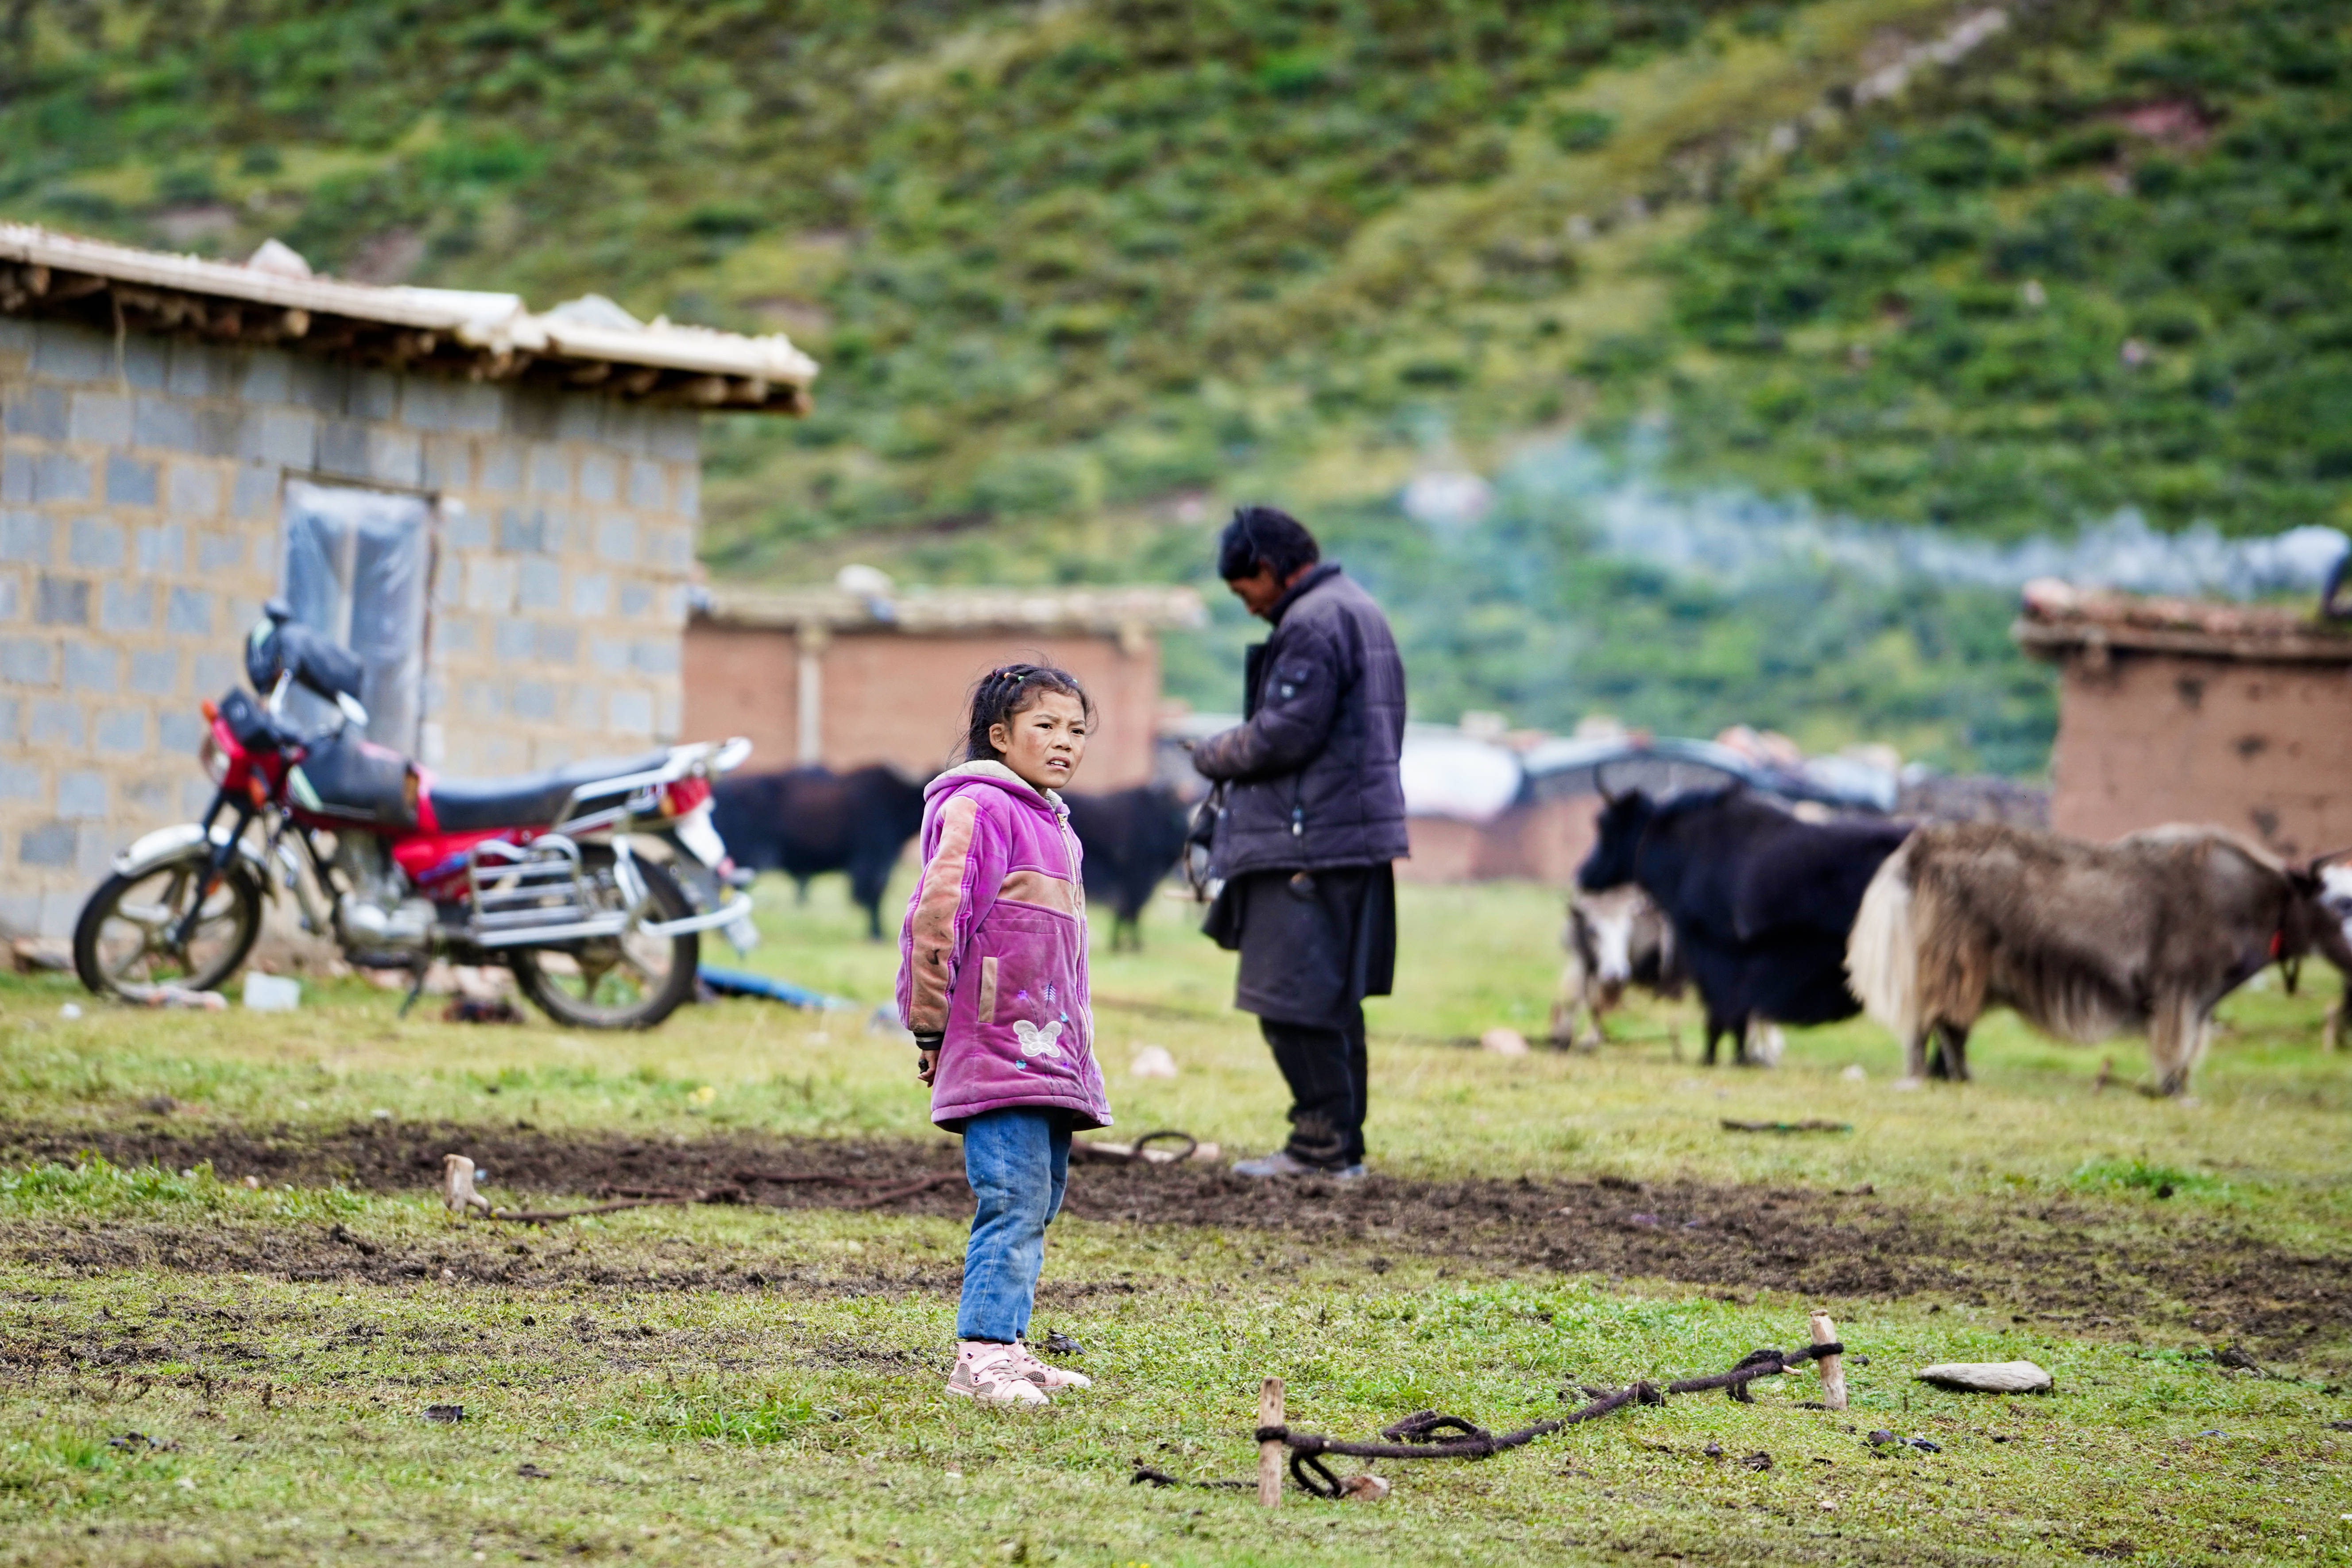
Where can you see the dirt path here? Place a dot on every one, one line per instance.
(2074, 1265)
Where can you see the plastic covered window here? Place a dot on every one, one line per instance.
(359, 568)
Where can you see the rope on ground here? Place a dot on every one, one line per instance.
(893, 1188)
(458, 1175)
(1135, 1153)
(552, 1216)
(1429, 1435)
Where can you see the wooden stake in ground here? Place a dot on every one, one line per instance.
(457, 1194)
(1833, 1367)
(1269, 1453)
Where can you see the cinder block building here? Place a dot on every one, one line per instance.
(844, 677)
(2175, 711)
(495, 509)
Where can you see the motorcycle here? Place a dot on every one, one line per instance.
(549, 875)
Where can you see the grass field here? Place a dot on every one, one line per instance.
(743, 1383)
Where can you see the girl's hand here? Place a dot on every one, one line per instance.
(926, 1066)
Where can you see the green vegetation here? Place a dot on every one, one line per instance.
(1079, 274)
(719, 1383)
(2102, 267)
(1518, 614)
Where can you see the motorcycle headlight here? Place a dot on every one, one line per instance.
(214, 759)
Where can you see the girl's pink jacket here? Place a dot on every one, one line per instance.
(994, 951)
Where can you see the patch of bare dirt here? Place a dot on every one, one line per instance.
(2072, 1265)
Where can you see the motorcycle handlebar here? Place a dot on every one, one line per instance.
(731, 755)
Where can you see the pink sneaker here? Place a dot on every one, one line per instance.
(992, 1373)
(1052, 1379)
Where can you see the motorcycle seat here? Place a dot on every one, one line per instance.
(528, 800)
(352, 778)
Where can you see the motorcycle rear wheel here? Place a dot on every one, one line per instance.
(122, 943)
(629, 982)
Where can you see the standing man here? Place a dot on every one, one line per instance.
(1310, 814)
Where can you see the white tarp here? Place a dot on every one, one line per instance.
(1448, 773)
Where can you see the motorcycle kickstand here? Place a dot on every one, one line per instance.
(416, 972)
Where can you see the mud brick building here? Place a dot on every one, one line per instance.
(843, 676)
(2175, 711)
(495, 509)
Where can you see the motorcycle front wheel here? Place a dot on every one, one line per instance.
(124, 943)
(633, 980)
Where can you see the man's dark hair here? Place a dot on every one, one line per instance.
(1010, 690)
(1265, 534)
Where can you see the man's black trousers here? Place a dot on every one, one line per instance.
(1314, 944)
(1328, 1079)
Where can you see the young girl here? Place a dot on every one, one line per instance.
(993, 984)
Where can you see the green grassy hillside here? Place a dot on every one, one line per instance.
(2106, 270)
(1076, 272)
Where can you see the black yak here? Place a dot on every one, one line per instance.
(811, 820)
(1132, 837)
(1760, 902)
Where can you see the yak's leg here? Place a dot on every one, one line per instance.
(1716, 1029)
(799, 889)
(1915, 1054)
(1572, 1010)
(1596, 1008)
(2177, 1032)
(869, 877)
(1936, 1066)
(1952, 1052)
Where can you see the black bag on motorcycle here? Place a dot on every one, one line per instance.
(280, 645)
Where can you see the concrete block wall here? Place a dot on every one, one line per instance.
(140, 490)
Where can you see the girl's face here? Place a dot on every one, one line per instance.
(1043, 742)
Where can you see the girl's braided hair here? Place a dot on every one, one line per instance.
(1011, 690)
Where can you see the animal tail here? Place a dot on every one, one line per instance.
(1882, 955)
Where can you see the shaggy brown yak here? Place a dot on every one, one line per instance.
(2083, 939)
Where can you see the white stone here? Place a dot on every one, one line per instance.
(278, 258)
(1151, 1061)
(1503, 1042)
(1986, 1376)
(271, 993)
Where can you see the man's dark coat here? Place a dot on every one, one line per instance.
(1311, 776)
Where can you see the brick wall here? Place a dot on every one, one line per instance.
(895, 698)
(2261, 749)
(140, 531)
(1544, 841)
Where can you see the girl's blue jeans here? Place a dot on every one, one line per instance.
(1018, 1162)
